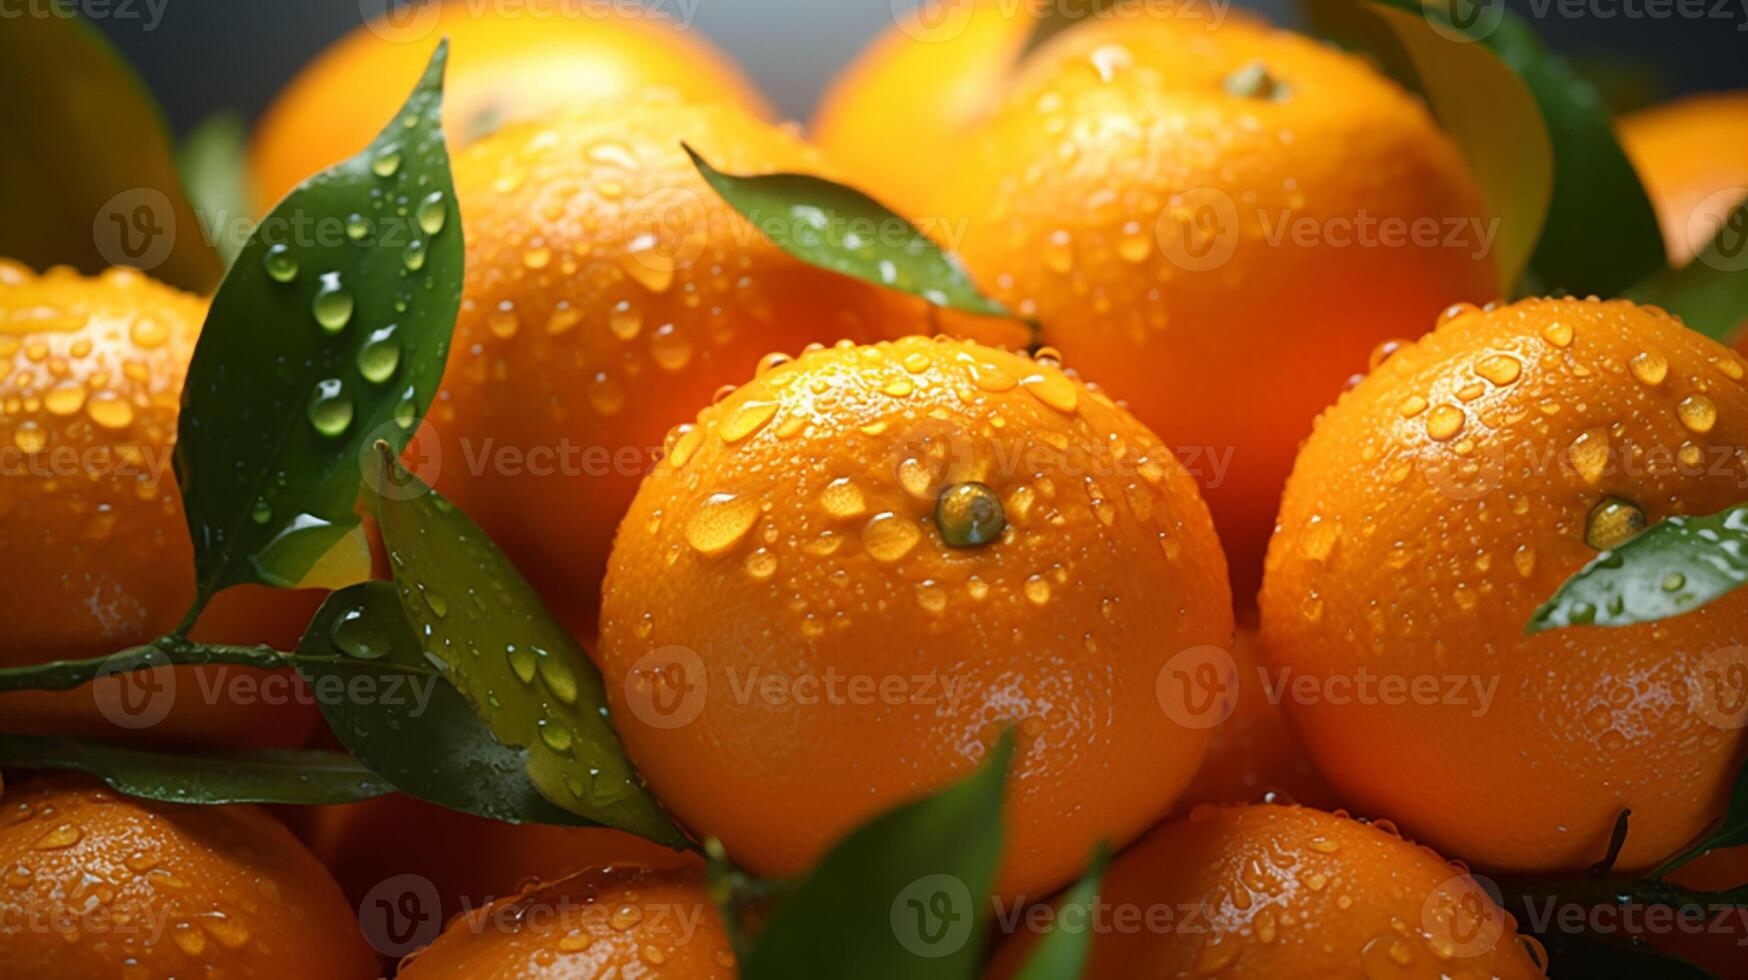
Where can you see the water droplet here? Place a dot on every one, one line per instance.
(413, 256)
(1445, 422)
(354, 635)
(522, 663)
(1674, 582)
(333, 304)
(432, 213)
(624, 320)
(65, 398)
(761, 564)
(1649, 368)
(1319, 540)
(720, 522)
(380, 355)
(556, 736)
(888, 537)
(110, 411)
(1053, 389)
(386, 162)
(358, 227)
(670, 348)
(1501, 369)
(748, 419)
(1037, 590)
(1557, 333)
(1612, 523)
(29, 437)
(969, 515)
(842, 498)
(1589, 454)
(557, 677)
(330, 408)
(1698, 413)
(280, 264)
(434, 601)
(262, 512)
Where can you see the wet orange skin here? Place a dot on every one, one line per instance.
(1197, 243)
(601, 922)
(505, 65)
(824, 568)
(1255, 892)
(1435, 507)
(609, 294)
(101, 885)
(97, 551)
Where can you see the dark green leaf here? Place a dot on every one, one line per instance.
(844, 230)
(1602, 234)
(87, 176)
(1709, 293)
(1487, 109)
(1589, 956)
(64, 675)
(261, 776)
(280, 410)
(485, 628)
(902, 896)
(214, 165)
(412, 726)
(1061, 955)
(1731, 831)
(1675, 566)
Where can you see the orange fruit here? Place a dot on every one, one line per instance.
(467, 860)
(1254, 751)
(505, 65)
(609, 293)
(1443, 499)
(1692, 155)
(601, 922)
(893, 117)
(792, 644)
(1288, 891)
(1218, 226)
(97, 551)
(102, 885)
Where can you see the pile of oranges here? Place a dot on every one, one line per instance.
(1226, 546)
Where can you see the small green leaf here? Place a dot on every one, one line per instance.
(261, 776)
(213, 161)
(484, 627)
(65, 675)
(87, 175)
(844, 230)
(1709, 293)
(329, 333)
(1671, 568)
(411, 725)
(1487, 109)
(902, 896)
(1061, 955)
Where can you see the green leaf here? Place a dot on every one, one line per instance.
(1673, 567)
(214, 165)
(1486, 108)
(1602, 234)
(1709, 293)
(1061, 955)
(261, 776)
(411, 725)
(902, 896)
(1593, 956)
(1730, 831)
(87, 175)
(318, 344)
(844, 230)
(485, 628)
(64, 675)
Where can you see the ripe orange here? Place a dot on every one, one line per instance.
(102, 885)
(791, 644)
(1435, 507)
(1254, 751)
(1692, 155)
(1218, 226)
(505, 65)
(1287, 891)
(91, 524)
(467, 860)
(601, 922)
(609, 293)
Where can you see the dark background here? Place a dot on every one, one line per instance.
(204, 56)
